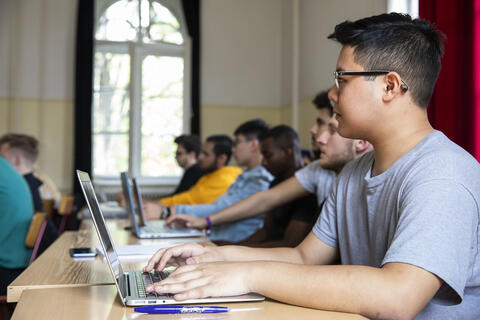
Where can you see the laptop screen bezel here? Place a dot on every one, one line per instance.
(138, 197)
(99, 221)
(127, 194)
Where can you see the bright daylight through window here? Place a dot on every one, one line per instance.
(139, 86)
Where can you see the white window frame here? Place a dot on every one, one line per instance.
(137, 52)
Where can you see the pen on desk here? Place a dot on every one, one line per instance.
(180, 309)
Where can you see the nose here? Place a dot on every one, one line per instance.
(333, 94)
(322, 138)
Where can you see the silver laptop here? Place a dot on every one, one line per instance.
(131, 284)
(151, 229)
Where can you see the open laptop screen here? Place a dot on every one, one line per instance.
(101, 227)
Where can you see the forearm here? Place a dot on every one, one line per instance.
(261, 202)
(198, 210)
(357, 289)
(246, 208)
(242, 253)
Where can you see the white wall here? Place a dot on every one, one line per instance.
(241, 52)
(319, 54)
(37, 42)
(247, 48)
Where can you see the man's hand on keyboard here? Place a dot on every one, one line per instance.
(187, 221)
(186, 254)
(207, 280)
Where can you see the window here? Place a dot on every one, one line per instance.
(404, 6)
(139, 87)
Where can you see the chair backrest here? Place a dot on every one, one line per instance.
(49, 207)
(35, 234)
(66, 206)
(65, 209)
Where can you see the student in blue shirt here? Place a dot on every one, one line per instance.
(255, 178)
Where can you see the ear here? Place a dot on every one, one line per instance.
(361, 146)
(392, 86)
(221, 160)
(17, 159)
(255, 144)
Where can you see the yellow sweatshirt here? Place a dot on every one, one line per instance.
(207, 189)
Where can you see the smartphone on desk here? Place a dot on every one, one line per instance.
(82, 252)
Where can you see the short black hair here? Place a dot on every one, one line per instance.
(252, 129)
(26, 144)
(395, 42)
(321, 101)
(284, 137)
(222, 144)
(191, 143)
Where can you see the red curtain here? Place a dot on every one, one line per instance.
(456, 98)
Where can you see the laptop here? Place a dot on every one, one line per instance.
(131, 283)
(150, 229)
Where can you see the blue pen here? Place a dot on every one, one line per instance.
(180, 309)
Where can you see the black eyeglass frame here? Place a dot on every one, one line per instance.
(404, 86)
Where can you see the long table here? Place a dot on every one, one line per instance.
(55, 268)
(56, 286)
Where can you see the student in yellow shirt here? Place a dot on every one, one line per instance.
(214, 158)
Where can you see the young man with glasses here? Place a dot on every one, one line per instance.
(188, 149)
(403, 220)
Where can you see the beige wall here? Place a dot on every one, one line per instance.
(224, 119)
(51, 121)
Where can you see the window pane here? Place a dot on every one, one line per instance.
(110, 154)
(162, 25)
(111, 104)
(162, 114)
(119, 22)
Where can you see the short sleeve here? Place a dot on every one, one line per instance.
(307, 178)
(436, 229)
(325, 228)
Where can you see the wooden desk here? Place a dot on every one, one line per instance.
(64, 288)
(55, 268)
(102, 302)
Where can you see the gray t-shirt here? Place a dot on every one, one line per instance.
(424, 211)
(316, 180)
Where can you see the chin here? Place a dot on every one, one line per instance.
(345, 132)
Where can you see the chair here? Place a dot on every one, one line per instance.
(48, 207)
(65, 209)
(35, 234)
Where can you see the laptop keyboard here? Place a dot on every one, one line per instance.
(145, 278)
(153, 229)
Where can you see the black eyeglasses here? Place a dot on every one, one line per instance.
(404, 86)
